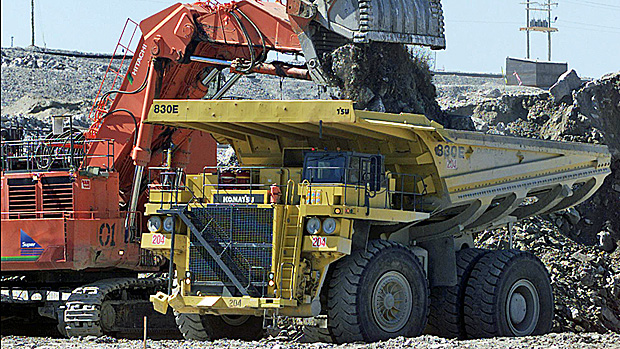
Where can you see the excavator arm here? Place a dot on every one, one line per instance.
(184, 47)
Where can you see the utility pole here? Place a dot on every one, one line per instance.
(537, 23)
(527, 21)
(32, 20)
(549, 32)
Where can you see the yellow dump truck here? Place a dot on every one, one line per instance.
(359, 222)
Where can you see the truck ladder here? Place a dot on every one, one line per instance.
(291, 248)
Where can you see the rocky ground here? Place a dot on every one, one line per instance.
(576, 245)
(553, 340)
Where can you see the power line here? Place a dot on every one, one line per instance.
(594, 4)
(600, 4)
(591, 29)
(482, 22)
(589, 24)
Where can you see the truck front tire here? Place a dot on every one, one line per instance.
(190, 326)
(508, 294)
(377, 294)
(211, 327)
(312, 334)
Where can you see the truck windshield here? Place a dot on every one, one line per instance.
(325, 168)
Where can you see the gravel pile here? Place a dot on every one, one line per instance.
(577, 245)
(28, 72)
(553, 340)
(37, 85)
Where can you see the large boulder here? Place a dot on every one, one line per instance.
(565, 85)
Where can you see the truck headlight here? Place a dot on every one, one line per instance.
(313, 226)
(329, 225)
(154, 224)
(168, 224)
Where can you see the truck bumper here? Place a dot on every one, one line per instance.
(218, 305)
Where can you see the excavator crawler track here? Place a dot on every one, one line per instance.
(103, 307)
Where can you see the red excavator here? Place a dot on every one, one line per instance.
(72, 200)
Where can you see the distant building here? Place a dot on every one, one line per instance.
(529, 72)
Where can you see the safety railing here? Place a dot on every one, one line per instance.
(170, 183)
(52, 153)
(82, 215)
(243, 178)
(353, 178)
(402, 199)
(114, 76)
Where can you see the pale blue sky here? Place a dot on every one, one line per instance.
(480, 33)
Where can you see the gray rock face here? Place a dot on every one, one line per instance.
(565, 85)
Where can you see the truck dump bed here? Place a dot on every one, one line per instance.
(472, 181)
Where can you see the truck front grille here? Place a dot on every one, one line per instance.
(245, 233)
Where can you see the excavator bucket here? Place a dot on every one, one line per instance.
(323, 25)
(418, 22)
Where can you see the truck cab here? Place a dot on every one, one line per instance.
(273, 231)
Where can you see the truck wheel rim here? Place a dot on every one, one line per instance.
(235, 320)
(522, 308)
(392, 301)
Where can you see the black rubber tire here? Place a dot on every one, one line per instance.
(212, 327)
(446, 316)
(349, 308)
(190, 326)
(62, 330)
(249, 330)
(314, 334)
(488, 289)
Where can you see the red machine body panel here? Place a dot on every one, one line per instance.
(74, 224)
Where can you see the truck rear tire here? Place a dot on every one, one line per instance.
(508, 294)
(377, 294)
(446, 316)
(212, 327)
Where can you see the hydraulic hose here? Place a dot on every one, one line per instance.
(138, 90)
(253, 59)
(135, 121)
